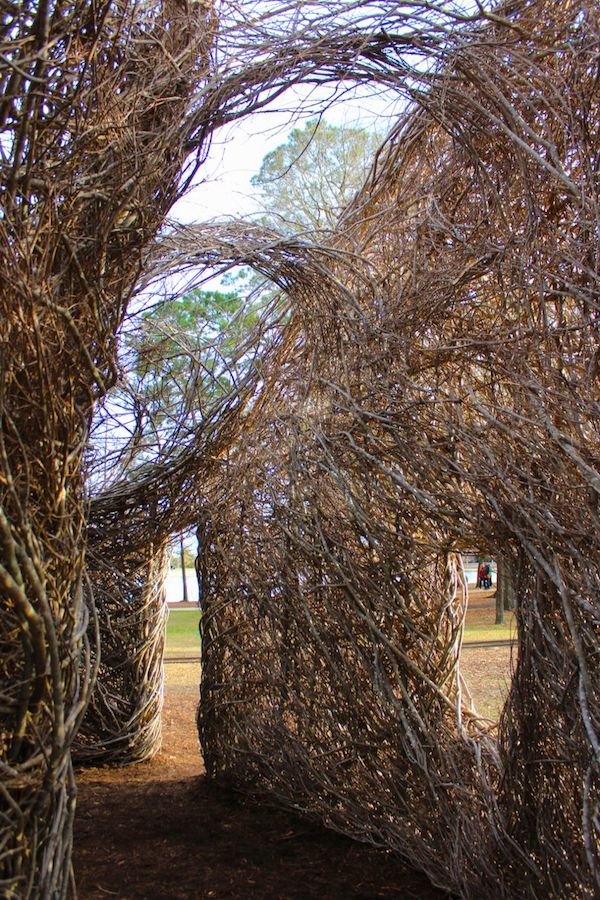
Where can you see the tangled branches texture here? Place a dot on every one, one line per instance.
(431, 388)
(122, 721)
(439, 394)
(106, 114)
(94, 128)
(129, 523)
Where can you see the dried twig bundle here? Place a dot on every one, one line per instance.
(95, 123)
(122, 722)
(445, 399)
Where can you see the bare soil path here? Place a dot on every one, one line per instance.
(160, 830)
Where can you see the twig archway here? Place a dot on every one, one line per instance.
(449, 395)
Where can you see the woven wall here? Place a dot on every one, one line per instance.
(446, 398)
(122, 721)
(96, 133)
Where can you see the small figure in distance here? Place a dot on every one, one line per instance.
(480, 575)
(487, 576)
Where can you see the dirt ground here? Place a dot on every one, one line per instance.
(160, 830)
(487, 672)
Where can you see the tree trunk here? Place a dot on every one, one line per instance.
(184, 580)
(509, 587)
(501, 583)
(499, 608)
(505, 593)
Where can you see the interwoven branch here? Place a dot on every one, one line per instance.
(431, 386)
(452, 403)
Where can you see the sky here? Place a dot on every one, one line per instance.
(223, 187)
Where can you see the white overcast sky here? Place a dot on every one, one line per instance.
(237, 152)
(236, 155)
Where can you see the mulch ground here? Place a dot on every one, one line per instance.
(161, 830)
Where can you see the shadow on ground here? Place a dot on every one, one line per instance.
(159, 830)
(190, 839)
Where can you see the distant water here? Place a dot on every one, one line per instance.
(174, 585)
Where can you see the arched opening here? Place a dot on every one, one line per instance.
(431, 386)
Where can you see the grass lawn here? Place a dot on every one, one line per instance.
(490, 632)
(183, 638)
(487, 671)
(481, 616)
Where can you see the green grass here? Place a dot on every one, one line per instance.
(183, 638)
(504, 632)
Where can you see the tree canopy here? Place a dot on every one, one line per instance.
(306, 182)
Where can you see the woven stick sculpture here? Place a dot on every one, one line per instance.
(258, 58)
(122, 722)
(94, 140)
(106, 115)
(447, 398)
(435, 395)
(130, 522)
